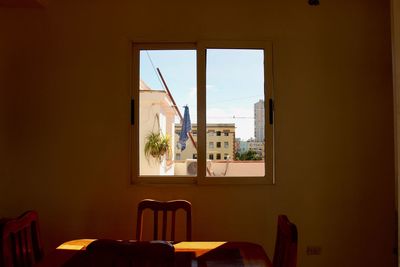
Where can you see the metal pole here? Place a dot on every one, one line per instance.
(177, 110)
(175, 106)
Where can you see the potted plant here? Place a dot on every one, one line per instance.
(157, 145)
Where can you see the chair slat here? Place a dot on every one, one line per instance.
(155, 225)
(164, 225)
(173, 225)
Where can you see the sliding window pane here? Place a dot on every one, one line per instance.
(167, 91)
(235, 119)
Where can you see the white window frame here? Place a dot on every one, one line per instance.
(201, 177)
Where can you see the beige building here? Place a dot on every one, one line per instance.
(259, 121)
(220, 142)
(256, 146)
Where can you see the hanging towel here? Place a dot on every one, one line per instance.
(186, 127)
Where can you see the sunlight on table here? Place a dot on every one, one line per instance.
(78, 244)
(199, 248)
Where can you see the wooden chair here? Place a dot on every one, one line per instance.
(164, 207)
(113, 253)
(285, 254)
(20, 241)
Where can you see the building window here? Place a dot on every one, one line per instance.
(227, 115)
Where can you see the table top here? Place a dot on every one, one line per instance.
(188, 253)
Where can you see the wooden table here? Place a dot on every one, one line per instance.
(204, 253)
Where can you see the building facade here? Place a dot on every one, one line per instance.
(256, 146)
(259, 121)
(220, 142)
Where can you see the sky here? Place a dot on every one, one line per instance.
(234, 83)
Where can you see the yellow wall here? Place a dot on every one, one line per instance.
(64, 87)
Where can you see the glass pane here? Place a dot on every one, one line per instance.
(235, 112)
(161, 150)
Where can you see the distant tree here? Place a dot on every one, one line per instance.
(248, 155)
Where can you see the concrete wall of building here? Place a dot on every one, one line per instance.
(156, 115)
(65, 74)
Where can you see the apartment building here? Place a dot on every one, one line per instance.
(259, 121)
(257, 146)
(220, 142)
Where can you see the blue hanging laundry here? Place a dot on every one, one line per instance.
(186, 127)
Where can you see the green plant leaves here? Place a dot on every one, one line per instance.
(157, 145)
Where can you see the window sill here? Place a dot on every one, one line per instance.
(193, 180)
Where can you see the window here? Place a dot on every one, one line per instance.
(158, 91)
(227, 89)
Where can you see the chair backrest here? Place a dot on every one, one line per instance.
(20, 241)
(113, 253)
(164, 207)
(285, 254)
